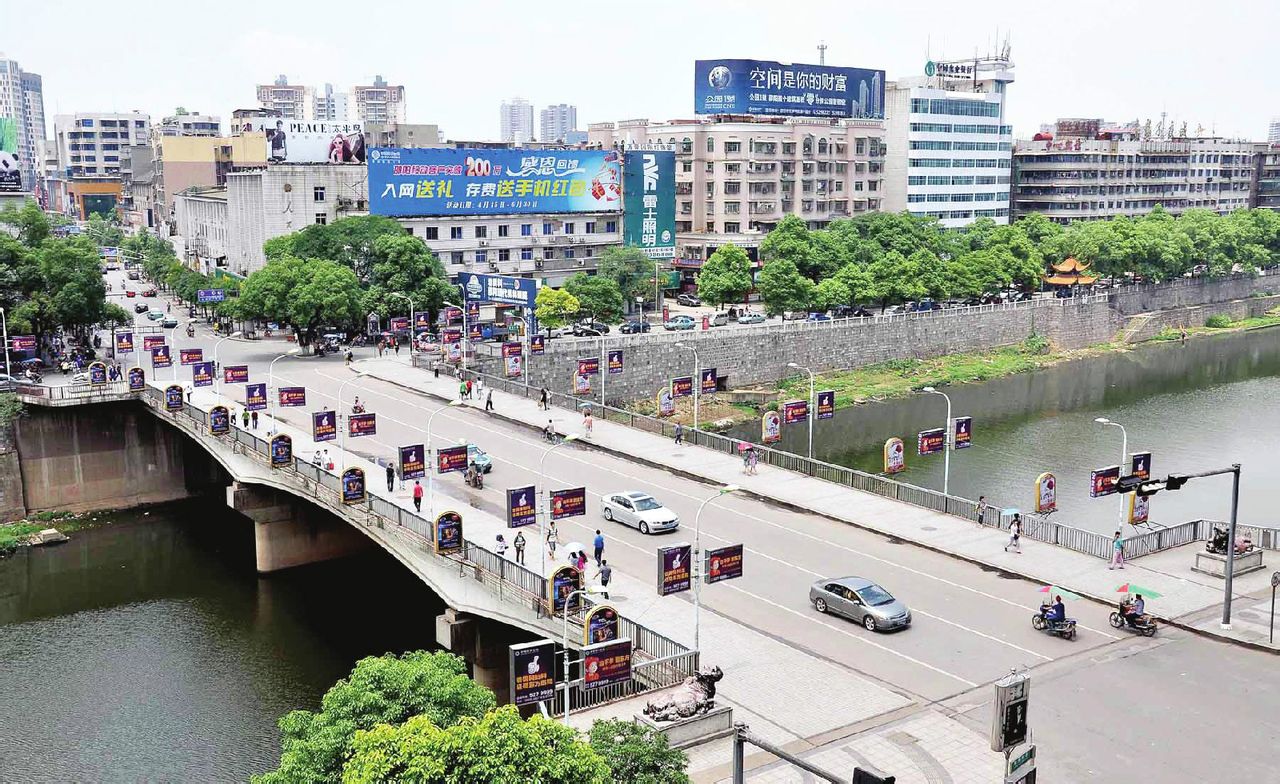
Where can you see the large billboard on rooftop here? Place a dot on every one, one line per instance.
(787, 89)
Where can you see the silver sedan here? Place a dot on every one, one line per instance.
(638, 510)
(860, 600)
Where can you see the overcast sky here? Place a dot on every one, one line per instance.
(1204, 62)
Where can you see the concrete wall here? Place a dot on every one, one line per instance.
(289, 532)
(12, 504)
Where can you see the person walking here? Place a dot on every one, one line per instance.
(435, 368)
(417, 496)
(1015, 534)
(469, 388)
(605, 574)
(542, 400)
(244, 417)
(396, 345)
(982, 510)
(753, 459)
(488, 401)
(500, 546)
(391, 477)
(597, 544)
(587, 423)
(553, 538)
(253, 416)
(581, 563)
(1117, 552)
(462, 390)
(519, 545)
(679, 434)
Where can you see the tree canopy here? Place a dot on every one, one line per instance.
(555, 307)
(598, 298)
(638, 754)
(726, 276)
(630, 269)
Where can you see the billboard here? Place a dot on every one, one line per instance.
(281, 451)
(255, 398)
(533, 672)
(795, 411)
(450, 459)
(826, 404)
(235, 374)
(600, 625)
(28, 342)
(413, 462)
(1046, 492)
(124, 342)
(98, 373)
(362, 425)
(292, 396)
(790, 89)
(649, 202)
(589, 366)
(666, 403)
(468, 181)
(295, 141)
(513, 359)
(564, 581)
(682, 387)
(219, 420)
(675, 568)
(709, 381)
(723, 563)
(210, 295)
(449, 533)
(932, 441)
(963, 438)
(190, 356)
(568, 503)
(615, 362)
(537, 345)
(522, 507)
(202, 374)
(160, 357)
(151, 341)
(353, 489)
(1103, 481)
(606, 664)
(895, 456)
(10, 172)
(324, 426)
(770, 428)
(1141, 465)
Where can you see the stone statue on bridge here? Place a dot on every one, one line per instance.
(692, 698)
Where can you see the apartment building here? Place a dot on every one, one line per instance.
(289, 101)
(557, 122)
(22, 106)
(190, 124)
(328, 105)
(1267, 195)
(377, 103)
(515, 121)
(736, 178)
(401, 135)
(94, 158)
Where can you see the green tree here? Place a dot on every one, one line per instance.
(783, 288)
(115, 317)
(501, 747)
(630, 269)
(348, 241)
(726, 276)
(381, 690)
(638, 754)
(106, 233)
(555, 307)
(857, 279)
(402, 264)
(894, 279)
(305, 295)
(598, 297)
(29, 221)
(830, 293)
(789, 241)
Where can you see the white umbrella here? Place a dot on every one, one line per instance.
(574, 547)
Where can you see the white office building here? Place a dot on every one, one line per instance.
(22, 104)
(328, 105)
(1273, 131)
(515, 121)
(377, 103)
(950, 146)
(557, 122)
(191, 124)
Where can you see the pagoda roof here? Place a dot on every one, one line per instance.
(1069, 264)
(1070, 279)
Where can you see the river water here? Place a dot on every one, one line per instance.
(1205, 404)
(150, 649)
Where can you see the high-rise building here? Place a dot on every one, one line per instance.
(950, 148)
(292, 101)
(1273, 131)
(190, 124)
(328, 105)
(557, 122)
(1268, 195)
(515, 122)
(373, 103)
(93, 156)
(22, 111)
(378, 102)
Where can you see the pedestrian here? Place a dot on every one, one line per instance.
(188, 394)
(435, 368)
(581, 563)
(417, 496)
(396, 345)
(244, 417)
(470, 386)
(553, 538)
(254, 416)
(479, 388)
(501, 547)
(605, 573)
(753, 459)
(598, 545)
(462, 390)
(328, 461)
(542, 400)
(1117, 552)
(1015, 534)
(488, 401)
(391, 477)
(519, 543)
(679, 434)
(982, 510)
(587, 423)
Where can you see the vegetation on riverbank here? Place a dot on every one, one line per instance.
(1222, 323)
(14, 535)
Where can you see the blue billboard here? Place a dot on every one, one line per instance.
(498, 289)
(469, 181)
(789, 89)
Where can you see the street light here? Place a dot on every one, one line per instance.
(1124, 458)
(465, 337)
(173, 339)
(542, 472)
(411, 320)
(812, 404)
(4, 326)
(343, 431)
(697, 381)
(524, 353)
(946, 442)
(271, 380)
(565, 643)
(217, 370)
(431, 474)
(696, 569)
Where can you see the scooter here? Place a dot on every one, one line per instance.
(1066, 629)
(475, 478)
(1142, 624)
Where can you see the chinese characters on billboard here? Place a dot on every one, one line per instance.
(219, 420)
(1103, 481)
(362, 425)
(451, 458)
(235, 374)
(98, 373)
(795, 411)
(532, 675)
(709, 381)
(606, 664)
(297, 141)
(513, 359)
(449, 533)
(682, 387)
(600, 625)
(151, 341)
(137, 379)
(353, 488)
(324, 426)
(568, 503)
(675, 569)
(521, 507)
(931, 442)
(413, 462)
(649, 205)
(562, 585)
(1141, 465)
(826, 404)
(281, 451)
(615, 362)
(190, 356)
(293, 396)
(255, 398)
(790, 89)
(173, 398)
(724, 563)
(963, 438)
(202, 374)
(160, 357)
(124, 342)
(895, 456)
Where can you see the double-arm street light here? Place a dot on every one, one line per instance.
(697, 381)
(412, 313)
(696, 566)
(568, 600)
(465, 336)
(1124, 458)
(946, 442)
(812, 404)
(345, 425)
(217, 369)
(274, 399)
(542, 472)
(427, 458)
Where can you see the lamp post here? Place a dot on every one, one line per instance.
(946, 442)
(812, 404)
(431, 474)
(342, 433)
(524, 352)
(565, 644)
(696, 566)
(271, 380)
(217, 370)
(466, 338)
(411, 320)
(4, 327)
(697, 381)
(1124, 458)
(542, 472)
(173, 337)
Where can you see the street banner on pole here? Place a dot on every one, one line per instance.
(532, 672)
(190, 356)
(521, 510)
(151, 341)
(451, 458)
(710, 381)
(281, 451)
(723, 563)
(606, 664)
(137, 379)
(293, 396)
(589, 366)
(615, 362)
(202, 374)
(173, 397)
(826, 404)
(235, 374)
(1046, 492)
(448, 533)
(600, 625)
(682, 386)
(513, 359)
(219, 421)
(675, 568)
(160, 357)
(1139, 508)
(963, 438)
(353, 488)
(1141, 465)
(255, 398)
(124, 342)
(362, 425)
(413, 461)
(795, 412)
(324, 426)
(398, 324)
(564, 581)
(22, 343)
(1102, 482)
(537, 345)
(581, 383)
(770, 428)
(932, 441)
(568, 503)
(895, 456)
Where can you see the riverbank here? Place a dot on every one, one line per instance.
(15, 534)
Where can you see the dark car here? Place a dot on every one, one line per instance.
(633, 327)
(850, 311)
(169, 323)
(141, 307)
(590, 329)
(688, 300)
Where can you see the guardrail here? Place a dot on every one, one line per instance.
(73, 394)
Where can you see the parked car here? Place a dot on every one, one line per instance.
(589, 328)
(7, 381)
(850, 311)
(141, 307)
(132, 274)
(155, 315)
(638, 510)
(861, 600)
(818, 317)
(688, 300)
(130, 293)
(795, 315)
(719, 319)
(150, 292)
(634, 327)
(751, 318)
(925, 305)
(481, 458)
(679, 322)
(169, 323)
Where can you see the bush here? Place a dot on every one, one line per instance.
(1035, 344)
(1219, 321)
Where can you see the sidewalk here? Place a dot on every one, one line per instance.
(1183, 592)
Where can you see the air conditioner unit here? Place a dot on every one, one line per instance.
(537, 263)
(493, 265)
(483, 243)
(582, 262)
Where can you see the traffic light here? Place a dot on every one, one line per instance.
(1174, 481)
(861, 776)
(1128, 484)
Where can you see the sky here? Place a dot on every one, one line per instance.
(1205, 63)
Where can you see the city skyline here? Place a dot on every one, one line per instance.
(1093, 77)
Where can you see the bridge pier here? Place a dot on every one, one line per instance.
(289, 532)
(483, 643)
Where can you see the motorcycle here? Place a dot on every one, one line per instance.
(1066, 628)
(191, 332)
(1217, 543)
(1142, 624)
(475, 478)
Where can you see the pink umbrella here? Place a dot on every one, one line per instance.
(742, 446)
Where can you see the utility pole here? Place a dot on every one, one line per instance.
(822, 53)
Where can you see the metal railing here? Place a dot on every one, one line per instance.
(73, 393)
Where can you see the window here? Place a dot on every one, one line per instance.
(504, 255)
(482, 232)
(936, 145)
(503, 229)
(686, 167)
(732, 188)
(931, 127)
(455, 232)
(526, 254)
(482, 256)
(788, 148)
(611, 227)
(591, 227)
(732, 147)
(139, 123)
(526, 230)
(546, 229)
(732, 207)
(568, 228)
(733, 168)
(732, 228)
(568, 253)
(456, 257)
(711, 144)
(432, 232)
(321, 218)
(317, 193)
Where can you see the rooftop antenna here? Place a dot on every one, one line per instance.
(822, 53)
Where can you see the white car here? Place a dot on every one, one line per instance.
(638, 510)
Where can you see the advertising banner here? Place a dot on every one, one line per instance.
(450, 336)
(465, 181)
(649, 202)
(564, 581)
(255, 398)
(413, 461)
(281, 451)
(202, 374)
(581, 383)
(532, 675)
(826, 404)
(615, 362)
(473, 306)
(682, 387)
(1139, 508)
(98, 373)
(606, 664)
(589, 366)
(452, 314)
(190, 356)
(568, 503)
(353, 488)
(895, 456)
(600, 625)
(292, 396)
(1103, 481)
(455, 352)
(786, 89)
(421, 321)
(362, 425)
(513, 359)
(675, 568)
(324, 426)
(795, 412)
(151, 341)
(173, 397)
(522, 507)
(28, 342)
(10, 170)
(770, 428)
(298, 141)
(1046, 492)
(210, 295)
(709, 381)
(963, 438)
(235, 374)
(475, 332)
(160, 357)
(723, 563)
(450, 459)
(931, 442)
(137, 379)
(537, 345)
(448, 533)
(398, 324)
(124, 342)
(1141, 462)
(666, 403)
(219, 421)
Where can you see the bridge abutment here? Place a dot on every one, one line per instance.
(289, 532)
(483, 643)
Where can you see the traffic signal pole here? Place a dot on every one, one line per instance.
(742, 736)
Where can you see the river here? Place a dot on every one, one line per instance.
(1207, 404)
(149, 649)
